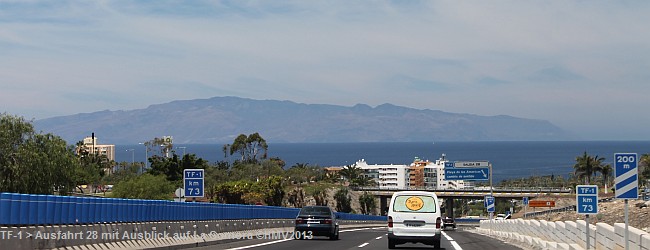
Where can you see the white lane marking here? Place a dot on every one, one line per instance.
(259, 245)
(278, 241)
(456, 246)
(364, 244)
(356, 229)
(447, 236)
(378, 238)
(452, 241)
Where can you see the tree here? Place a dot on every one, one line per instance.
(145, 186)
(272, 189)
(343, 201)
(173, 166)
(368, 203)
(34, 163)
(319, 192)
(606, 172)
(251, 148)
(296, 197)
(586, 166)
(644, 168)
(350, 172)
(363, 181)
(93, 168)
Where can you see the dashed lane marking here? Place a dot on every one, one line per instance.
(452, 241)
(259, 245)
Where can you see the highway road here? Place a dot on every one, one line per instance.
(365, 238)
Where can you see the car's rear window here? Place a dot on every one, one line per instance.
(315, 211)
(414, 204)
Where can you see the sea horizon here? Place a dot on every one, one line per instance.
(510, 159)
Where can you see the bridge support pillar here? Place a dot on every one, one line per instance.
(450, 207)
(383, 205)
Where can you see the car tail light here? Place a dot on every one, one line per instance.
(327, 221)
(390, 221)
(438, 222)
(300, 221)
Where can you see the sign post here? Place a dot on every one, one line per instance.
(193, 180)
(626, 183)
(489, 204)
(525, 201)
(587, 203)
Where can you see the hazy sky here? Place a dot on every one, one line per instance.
(582, 65)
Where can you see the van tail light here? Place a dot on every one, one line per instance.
(390, 221)
(438, 222)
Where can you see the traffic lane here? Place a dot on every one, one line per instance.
(360, 238)
(368, 238)
(469, 240)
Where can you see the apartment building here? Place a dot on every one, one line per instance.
(90, 145)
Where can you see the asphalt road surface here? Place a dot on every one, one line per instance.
(366, 238)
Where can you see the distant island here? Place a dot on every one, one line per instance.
(220, 119)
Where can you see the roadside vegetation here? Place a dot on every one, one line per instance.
(38, 163)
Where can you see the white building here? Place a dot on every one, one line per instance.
(419, 174)
(388, 176)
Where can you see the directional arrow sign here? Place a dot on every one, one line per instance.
(489, 204)
(627, 179)
(587, 199)
(467, 174)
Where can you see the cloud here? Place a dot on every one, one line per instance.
(507, 57)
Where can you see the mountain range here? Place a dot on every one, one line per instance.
(221, 119)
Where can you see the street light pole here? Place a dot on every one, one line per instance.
(132, 155)
(146, 156)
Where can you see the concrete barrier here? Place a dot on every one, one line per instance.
(565, 235)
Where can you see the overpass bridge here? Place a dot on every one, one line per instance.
(448, 195)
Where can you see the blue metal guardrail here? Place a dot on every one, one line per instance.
(26, 209)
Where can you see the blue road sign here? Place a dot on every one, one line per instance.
(489, 204)
(587, 199)
(193, 180)
(449, 164)
(467, 174)
(525, 201)
(627, 178)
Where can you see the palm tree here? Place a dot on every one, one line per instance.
(606, 171)
(586, 166)
(350, 172)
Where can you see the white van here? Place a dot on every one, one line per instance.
(414, 216)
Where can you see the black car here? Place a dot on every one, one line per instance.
(448, 222)
(316, 221)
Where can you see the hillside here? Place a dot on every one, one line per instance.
(221, 119)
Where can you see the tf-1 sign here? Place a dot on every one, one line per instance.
(587, 199)
(193, 181)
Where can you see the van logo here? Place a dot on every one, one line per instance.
(414, 203)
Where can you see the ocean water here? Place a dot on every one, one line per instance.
(509, 159)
